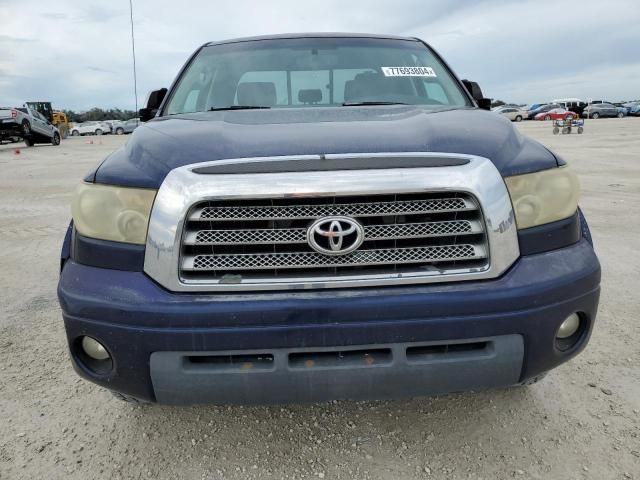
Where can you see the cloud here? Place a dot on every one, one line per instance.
(78, 54)
(99, 69)
(506, 46)
(55, 16)
(93, 13)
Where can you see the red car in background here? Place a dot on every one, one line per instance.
(556, 114)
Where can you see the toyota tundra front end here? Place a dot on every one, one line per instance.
(324, 216)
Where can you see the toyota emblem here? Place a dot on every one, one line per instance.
(335, 235)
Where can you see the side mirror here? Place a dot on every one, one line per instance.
(154, 100)
(476, 92)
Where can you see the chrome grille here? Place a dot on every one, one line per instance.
(262, 239)
(299, 235)
(282, 212)
(312, 260)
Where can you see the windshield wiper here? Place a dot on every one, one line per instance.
(358, 104)
(238, 107)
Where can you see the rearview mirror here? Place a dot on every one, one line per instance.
(476, 92)
(154, 100)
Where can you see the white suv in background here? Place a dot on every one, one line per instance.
(90, 128)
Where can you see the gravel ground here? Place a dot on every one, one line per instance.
(581, 422)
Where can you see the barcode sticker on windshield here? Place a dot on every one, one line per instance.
(408, 72)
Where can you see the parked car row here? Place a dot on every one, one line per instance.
(598, 108)
(116, 127)
(567, 109)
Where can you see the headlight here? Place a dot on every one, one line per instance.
(544, 197)
(113, 213)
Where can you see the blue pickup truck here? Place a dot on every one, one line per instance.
(324, 216)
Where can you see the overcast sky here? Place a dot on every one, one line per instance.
(78, 53)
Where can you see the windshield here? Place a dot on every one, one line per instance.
(314, 72)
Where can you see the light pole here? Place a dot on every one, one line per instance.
(133, 52)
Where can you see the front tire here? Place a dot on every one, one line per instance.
(55, 141)
(518, 118)
(620, 114)
(98, 131)
(547, 117)
(595, 115)
(75, 133)
(119, 131)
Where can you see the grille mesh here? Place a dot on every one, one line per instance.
(222, 237)
(410, 230)
(312, 259)
(317, 211)
(262, 239)
(299, 235)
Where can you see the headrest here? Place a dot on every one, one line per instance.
(311, 95)
(259, 94)
(373, 86)
(350, 91)
(364, 85)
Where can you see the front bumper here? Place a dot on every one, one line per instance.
(153, 335)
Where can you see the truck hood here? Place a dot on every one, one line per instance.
(173, 141)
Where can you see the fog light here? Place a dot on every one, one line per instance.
(94, 349)
(569, 326)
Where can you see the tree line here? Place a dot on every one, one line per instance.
(97, 114)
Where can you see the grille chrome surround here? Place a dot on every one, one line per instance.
(195, 215)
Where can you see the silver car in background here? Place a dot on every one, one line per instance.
(120, 127)
(515, 114)
(602, 110)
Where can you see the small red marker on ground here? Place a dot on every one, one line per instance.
(17, 151)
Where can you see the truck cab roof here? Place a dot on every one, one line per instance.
(282, 36)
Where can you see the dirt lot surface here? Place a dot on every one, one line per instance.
(581, 422)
